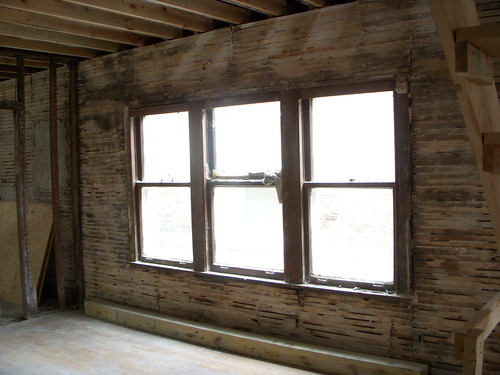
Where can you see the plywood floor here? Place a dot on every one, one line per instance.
(71, 343)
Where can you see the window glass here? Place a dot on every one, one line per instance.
(247, 139)
(166, 223)
(248, 228)
(351, 234)
(165, 140)
(352, 138)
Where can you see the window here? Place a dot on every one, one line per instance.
(305, 186)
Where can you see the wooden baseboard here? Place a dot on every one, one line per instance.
(290, 353)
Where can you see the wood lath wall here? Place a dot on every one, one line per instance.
(38, 177)
(455, 262)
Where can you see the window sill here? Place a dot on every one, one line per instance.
(218, 277)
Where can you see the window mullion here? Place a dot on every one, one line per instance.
(197, 142)
(402, 201)
(292, 179)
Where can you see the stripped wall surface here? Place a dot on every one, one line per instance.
(38, 176)
(455, 261)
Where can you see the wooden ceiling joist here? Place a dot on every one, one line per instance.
(19, 17)
(13, 69)
(268, 7)
(152, 12)
(315, 3)
(31, 33)
(27, 63)
(46, 47)
(210, 8)
(80, 13)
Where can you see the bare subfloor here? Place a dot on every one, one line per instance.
(71, 343)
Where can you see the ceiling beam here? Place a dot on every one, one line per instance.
(68, 11)
(212, 9)
(29, 45)
(315, 3)
(150, 11)
(13, 69)
(485, 37)
(38, 56)
(28, 63)
(32, 33)
(268, 7)
(19, 17)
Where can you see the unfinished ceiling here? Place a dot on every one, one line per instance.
(83, 29)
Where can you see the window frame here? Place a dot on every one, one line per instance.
(295, 148)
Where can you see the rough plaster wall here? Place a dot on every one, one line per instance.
(455, 266)
(38, 174)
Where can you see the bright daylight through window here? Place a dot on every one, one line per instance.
(211, 185)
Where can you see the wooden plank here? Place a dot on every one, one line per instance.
(43, 35)
(310, 357)
(28, 63)
(10, 104)
(27, 287)
(38, 221)
(211, 8)
(151, 12)
(75, 180)
(67, 26)
(473, 64)
(199, 215)
(94, 16)
(54, 172)
(268, 7)
(485, 37)
(315, 3)
(18, 43)
(292, 178)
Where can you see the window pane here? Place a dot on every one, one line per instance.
(353, 138)
(247, 138)
(166, 147)
(352, 233)
(248, 228)
(166, 223)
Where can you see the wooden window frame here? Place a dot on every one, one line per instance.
(296, 157)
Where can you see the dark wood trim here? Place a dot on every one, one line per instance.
(349, 185)
(402, 217)
(75, 180)
(199, 213)
(292, 180)
(276, 275)
(27, 287)
(54, 172)
(10, 105)
(241, 100)
(351, 88)
(158, 110)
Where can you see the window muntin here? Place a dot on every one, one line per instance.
(220, 179)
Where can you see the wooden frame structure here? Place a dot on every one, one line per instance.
(469, 339)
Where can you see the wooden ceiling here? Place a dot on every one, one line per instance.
(83, 29)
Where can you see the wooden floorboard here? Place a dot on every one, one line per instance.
(71, 343)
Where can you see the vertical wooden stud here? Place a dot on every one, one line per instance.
(75, 180)
(54, 169)
(27, 288)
